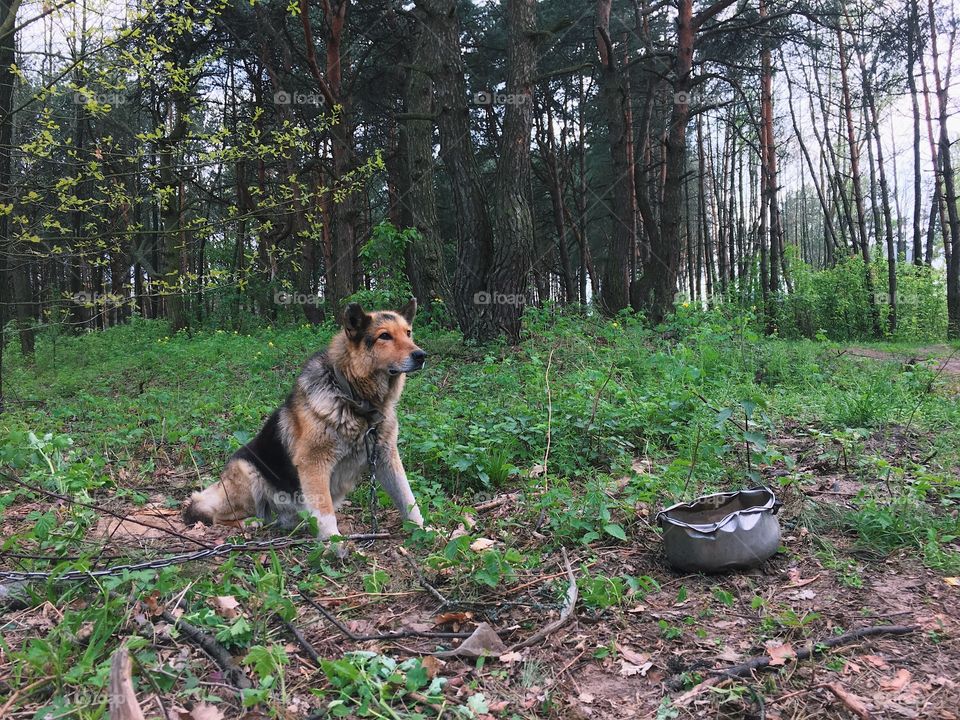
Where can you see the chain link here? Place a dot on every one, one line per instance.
(167, 561)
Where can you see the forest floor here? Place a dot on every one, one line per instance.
(870, 487)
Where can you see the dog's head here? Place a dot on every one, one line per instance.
(387, 337)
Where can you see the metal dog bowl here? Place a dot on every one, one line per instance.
(721, 531)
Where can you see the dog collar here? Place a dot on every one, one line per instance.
(361, 406)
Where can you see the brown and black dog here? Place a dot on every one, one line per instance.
(312, 451)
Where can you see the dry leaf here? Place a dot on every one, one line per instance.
(432, 665)
(586, 698)
(779, 654)
(897, 682)
(226, 606)
(537, 471)
(511, 657)
(850, 668)
(729, 655)
(484, 641)
(206, 711)
(875, 661)
(629, 669)
(481, 544)
(453, 618)
(632, 656)
(952, 581)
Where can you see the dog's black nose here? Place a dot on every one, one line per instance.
(418, 355)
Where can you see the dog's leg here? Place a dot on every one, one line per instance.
(393, 479)
(315, 484)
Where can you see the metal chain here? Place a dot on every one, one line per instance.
(167, 561)
(370, 443)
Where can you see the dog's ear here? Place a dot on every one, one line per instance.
(355, 321)
(409, 310)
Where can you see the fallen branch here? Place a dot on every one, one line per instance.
(232, 673)
(853, 703)
(496, 502)
(123, 699)
(301, 640)
(438, 596)
(764, 662)
(565, 614)
(391, 635)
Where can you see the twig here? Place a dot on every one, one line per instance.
(565, 614)
(546, 380)
(763, 662)
(596, 399)
(123, 698)
(438, 596)
(21, 691)
(850, 701)
(393, 634)
(301, 640)
(496, 502)
(232, 672)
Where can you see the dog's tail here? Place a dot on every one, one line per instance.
(231, 498)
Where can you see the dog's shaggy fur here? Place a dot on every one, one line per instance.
(311, 452)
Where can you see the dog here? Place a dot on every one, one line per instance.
(313, 450)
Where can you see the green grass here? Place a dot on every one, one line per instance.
(699, 405)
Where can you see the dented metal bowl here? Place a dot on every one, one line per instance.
(723, 531)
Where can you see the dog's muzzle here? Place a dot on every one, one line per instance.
(415, 362)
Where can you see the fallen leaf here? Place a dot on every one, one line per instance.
(952, 581)
(484, 641)
(628, 669)
(875, 661)
(206, 711)
(897, 682)
(453, 618)
(850, 668)
(586, 698)
(226, 606)
(779, 654)
(511, 657)
(432, 665)
(537, 471)
(481, 544)
(729, 655)
(632, 656)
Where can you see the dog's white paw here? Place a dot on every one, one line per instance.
(326, 525)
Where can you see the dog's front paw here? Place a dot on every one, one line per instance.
(326, 525)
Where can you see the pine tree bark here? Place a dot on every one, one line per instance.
(511, 218)
(474, 240)
(615, 285)
(417, 199)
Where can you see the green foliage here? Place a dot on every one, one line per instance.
(836, 302)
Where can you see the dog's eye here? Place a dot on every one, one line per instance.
(385, 336)
(409, 333)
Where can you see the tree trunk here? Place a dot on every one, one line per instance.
(474, 242)
(418, 205)
(855, 180)
(615, 287)
(511, 218)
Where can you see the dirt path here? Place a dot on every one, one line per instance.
(947, 359)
